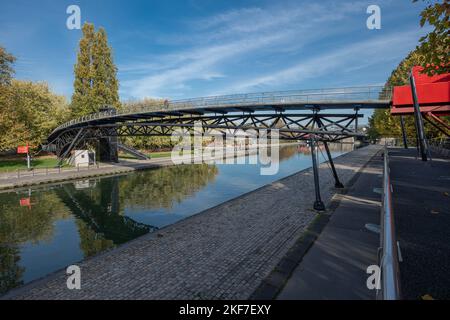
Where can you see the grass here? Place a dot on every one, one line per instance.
(13, 164)
(152, 155)
(161, 154)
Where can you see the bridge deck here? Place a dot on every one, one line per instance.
(367, 97)
(335, 266)
(421, 201)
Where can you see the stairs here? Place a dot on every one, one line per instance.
(135, 153)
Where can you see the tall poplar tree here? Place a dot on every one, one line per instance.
(105, 85)
(95, 84)
(82, 95)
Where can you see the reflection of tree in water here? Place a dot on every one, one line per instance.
(10, 271)
(99, 212)
(154, 189)
(19, 225)
(92, 242)
(287, 152)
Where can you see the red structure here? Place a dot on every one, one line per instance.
(433, 94)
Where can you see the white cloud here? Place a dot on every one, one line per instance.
(349, 58)
(217, 42)
(249, 49)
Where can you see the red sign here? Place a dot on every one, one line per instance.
(22, 149)
(25, 202)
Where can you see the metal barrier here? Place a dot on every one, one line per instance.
(389, 260)
(45, 171)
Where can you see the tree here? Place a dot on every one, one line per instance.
(105, 85)
(28, 113)
(382, 123)
(6, 69)
(432, 51)
(81, 99)
(28, 110)
(435, 46)
(95, 83)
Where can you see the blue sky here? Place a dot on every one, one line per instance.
(181, 49)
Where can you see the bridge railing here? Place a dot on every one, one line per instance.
(362, 94)
(389, 250)
(370, 93)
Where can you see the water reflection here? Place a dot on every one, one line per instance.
(95, 208)
(47, 228)
(24, 224)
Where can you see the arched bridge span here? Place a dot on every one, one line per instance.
(327, 114)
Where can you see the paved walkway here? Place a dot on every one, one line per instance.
(421, 197)
(222, 253)
(335, 266)
(11, 180)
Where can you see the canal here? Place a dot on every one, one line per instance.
(46, 228)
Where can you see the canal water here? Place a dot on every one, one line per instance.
(44, 229)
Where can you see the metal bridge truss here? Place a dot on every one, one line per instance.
(290, 126)
(230, 115)
(314, 126)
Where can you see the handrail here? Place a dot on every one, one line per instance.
(389, 262)
(44, 171)
(366, 93)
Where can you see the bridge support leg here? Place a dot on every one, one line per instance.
(318, 204)
(107, 149)
(74, 142)
(419, 121)
(337, 183)
(402, 123)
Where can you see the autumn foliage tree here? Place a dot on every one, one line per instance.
(433, 50)
(28, 110)
(382, 123)
(435, 46)
(6, 69)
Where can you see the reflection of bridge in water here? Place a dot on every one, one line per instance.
(103, 217)
(295, 115)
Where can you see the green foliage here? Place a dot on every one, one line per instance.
(95, 83)
(81, 98)
(20, 163)
(20, 225)
(92, 243)
(435, 46)
(147, 143)
(165, 187)
(28, 113)
(432, 51)
(6, 69)
(382, 123)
